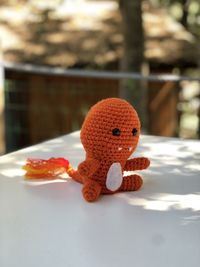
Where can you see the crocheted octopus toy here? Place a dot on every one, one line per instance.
(109, 135)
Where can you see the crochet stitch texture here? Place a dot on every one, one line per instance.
(109, 135)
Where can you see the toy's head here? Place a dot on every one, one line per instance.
(111, 130)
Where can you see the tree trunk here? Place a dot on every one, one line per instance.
(185, 13)
(131, 12)
(132, 59)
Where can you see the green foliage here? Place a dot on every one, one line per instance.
(185, 11)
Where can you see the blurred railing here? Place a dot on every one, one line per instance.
(43, 102)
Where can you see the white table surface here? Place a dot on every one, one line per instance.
(49, 224)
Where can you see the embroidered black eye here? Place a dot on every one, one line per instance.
(134, 131)
(116, 132)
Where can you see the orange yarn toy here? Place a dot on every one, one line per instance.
(109, 135)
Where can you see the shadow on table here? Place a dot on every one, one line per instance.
(171, 183)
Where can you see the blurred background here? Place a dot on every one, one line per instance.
(59, 57)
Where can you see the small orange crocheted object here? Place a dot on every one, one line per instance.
(109, 135)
